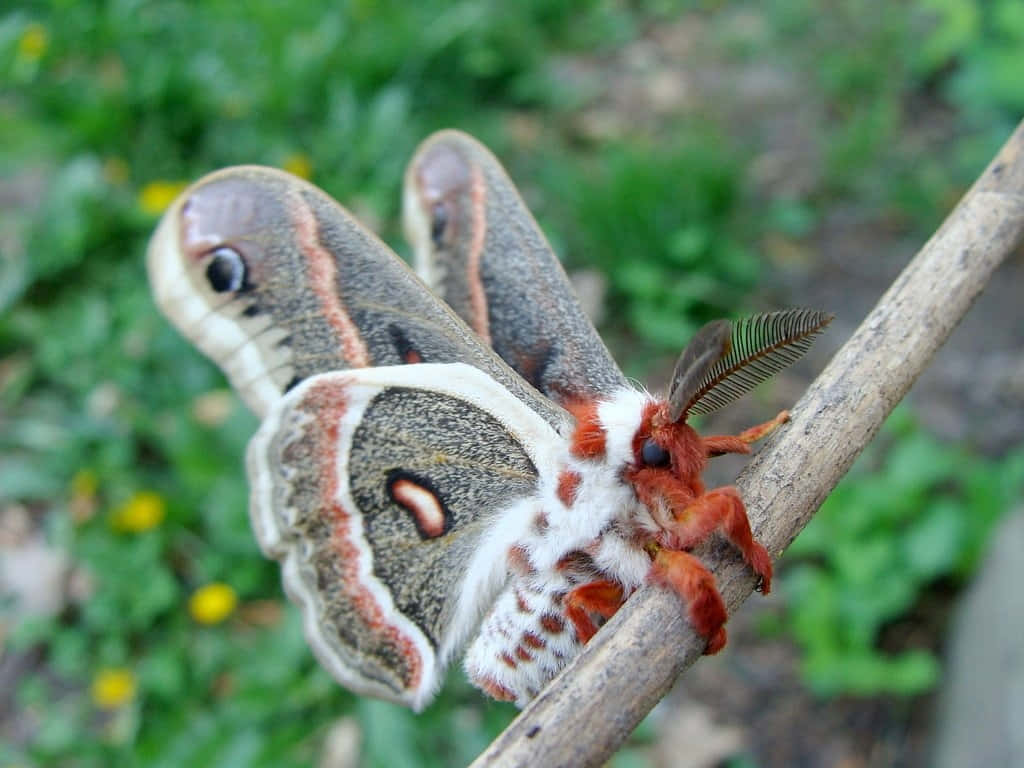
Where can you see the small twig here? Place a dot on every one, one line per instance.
(597, 701)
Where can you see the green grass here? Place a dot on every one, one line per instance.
(113, 104)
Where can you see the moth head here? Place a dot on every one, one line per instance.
(629, 434)
(723, 361)
(664, 447)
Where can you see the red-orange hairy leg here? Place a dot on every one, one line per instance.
(762, 431)
(716, 445)
(687, 577)
(601, 597)
(662, 492)
(719, 445)
(721, 508)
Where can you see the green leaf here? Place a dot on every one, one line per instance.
(163, 671)
(688, 245)
(952, 26)
(794, 218)
(66, 220)
(934, 541)
(389, 739)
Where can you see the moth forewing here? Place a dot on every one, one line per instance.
(478, 246)
(317, 505)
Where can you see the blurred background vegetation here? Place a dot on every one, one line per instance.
(637, 131)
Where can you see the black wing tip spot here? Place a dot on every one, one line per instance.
(226, 272)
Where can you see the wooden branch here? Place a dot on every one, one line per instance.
(593, 706)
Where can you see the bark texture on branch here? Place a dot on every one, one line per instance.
(593, 706)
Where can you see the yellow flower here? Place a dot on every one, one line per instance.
(33, 42)
(299, 165)
(113, 687)
(141, 512)
(157, 195)
(212, 603)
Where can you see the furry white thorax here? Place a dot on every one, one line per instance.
(600, 521)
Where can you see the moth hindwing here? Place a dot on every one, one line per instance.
(390, 496)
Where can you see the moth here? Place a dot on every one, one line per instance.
(459, 464)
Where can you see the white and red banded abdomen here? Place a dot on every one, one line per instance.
(525, 639)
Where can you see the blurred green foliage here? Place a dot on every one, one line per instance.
(106, 107)
(985, 44)
(913, 512)
(653, 229)
(879, 65)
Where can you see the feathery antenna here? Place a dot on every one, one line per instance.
(757, 348)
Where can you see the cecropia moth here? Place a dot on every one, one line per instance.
(457, 464)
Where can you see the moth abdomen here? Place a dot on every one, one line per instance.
(525, 640)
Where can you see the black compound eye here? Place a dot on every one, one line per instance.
(226, 270)
(654, 455)
(438, 223)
